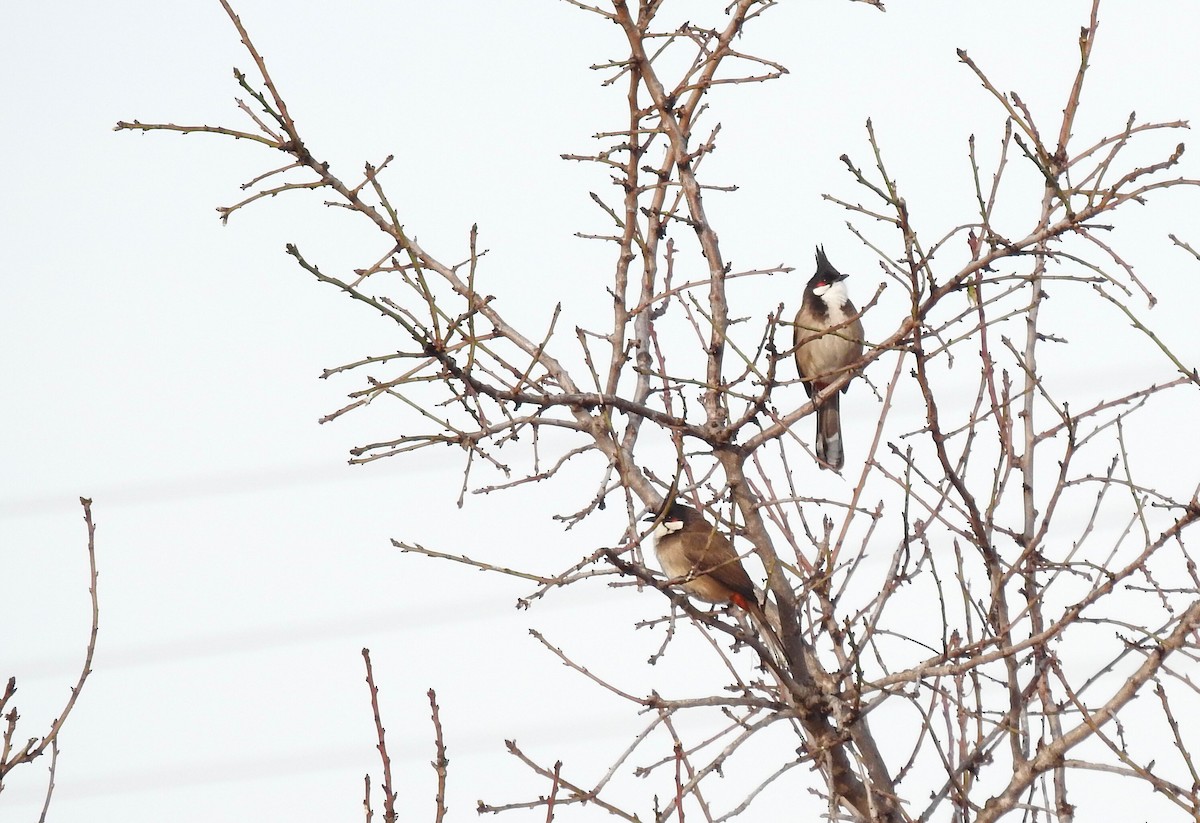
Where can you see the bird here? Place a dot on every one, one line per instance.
(703, 561)
(822, 355)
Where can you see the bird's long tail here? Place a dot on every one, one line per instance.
(766, 629)
(829, 433)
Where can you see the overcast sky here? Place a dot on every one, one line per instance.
(167, 366)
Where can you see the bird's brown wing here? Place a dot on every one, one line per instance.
(713, 555)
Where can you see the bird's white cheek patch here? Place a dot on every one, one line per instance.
(835, 295)
(667, 527)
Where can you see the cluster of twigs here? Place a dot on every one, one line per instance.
(946, 596)
(14, 753)
(440, 763)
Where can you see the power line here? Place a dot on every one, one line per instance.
(267, 638)
(409, 753)
(245, 481)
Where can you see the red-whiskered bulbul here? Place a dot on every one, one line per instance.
(823, 355)
(702, 560)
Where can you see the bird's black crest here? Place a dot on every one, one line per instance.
(823, 264)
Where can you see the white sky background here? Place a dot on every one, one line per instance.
(166, 366)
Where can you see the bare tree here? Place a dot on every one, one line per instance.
(13, 752)
(993, 643)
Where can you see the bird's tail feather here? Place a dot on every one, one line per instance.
(829, 433)
(766, 629)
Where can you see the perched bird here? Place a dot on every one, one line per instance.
(691, 550)
(823, 355)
